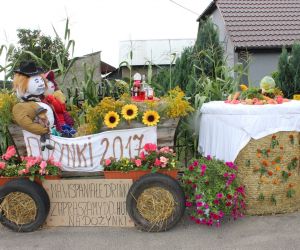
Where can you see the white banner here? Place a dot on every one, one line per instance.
(88, 153)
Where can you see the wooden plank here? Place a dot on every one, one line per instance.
(88, 202)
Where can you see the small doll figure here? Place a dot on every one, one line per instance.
(42, 119)
(56, 99)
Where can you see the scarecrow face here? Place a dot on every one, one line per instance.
(36, 86)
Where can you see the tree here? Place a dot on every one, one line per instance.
(295, 67)
(284, 74)
(289, 71)
(183, 68)
(33, 45)
(209, 53)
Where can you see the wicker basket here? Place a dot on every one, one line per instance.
(267, 192)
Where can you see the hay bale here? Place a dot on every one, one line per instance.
(156, 205)
(266, 193)
(19, 208)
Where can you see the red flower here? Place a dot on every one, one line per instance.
(191, 168)
(200, 212)
(157, 162)
(217, 202)
(142, 155)
(215, 216)
(150, 147)
(228, 204)
(229, 196)
(107, 162)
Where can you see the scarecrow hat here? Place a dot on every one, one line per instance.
(51, 77)
(28, 68)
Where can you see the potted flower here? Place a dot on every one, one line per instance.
(34, 168)
(150, 160)
(212, 191)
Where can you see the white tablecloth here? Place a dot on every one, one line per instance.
(226, 128)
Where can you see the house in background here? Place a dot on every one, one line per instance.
(259, 27)
(76, 74)
(158, 51)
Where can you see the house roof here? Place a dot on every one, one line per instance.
(158, 51)
(259, 23)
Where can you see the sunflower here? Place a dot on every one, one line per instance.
(150, 118)
(129, 111)
(111, 119)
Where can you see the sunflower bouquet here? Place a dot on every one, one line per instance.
(121, 113)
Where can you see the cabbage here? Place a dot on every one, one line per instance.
(267, 83)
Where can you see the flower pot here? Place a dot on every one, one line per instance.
(47, 177)
(4, 180)
(136, 174)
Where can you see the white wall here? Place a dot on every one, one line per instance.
(262, 64)
(218, 20)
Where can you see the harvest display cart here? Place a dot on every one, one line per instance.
(155, 202)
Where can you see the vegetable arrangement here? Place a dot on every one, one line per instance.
(266, 94)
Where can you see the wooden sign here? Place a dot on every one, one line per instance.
(88, 202)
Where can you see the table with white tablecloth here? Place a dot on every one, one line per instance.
(226, 128)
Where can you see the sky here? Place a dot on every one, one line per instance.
(100, 25)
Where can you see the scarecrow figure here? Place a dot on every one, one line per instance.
(30, 85)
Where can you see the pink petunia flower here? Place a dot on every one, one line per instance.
(195, 163)
(188, 204)
(199, 204)
(208, 157)
(198, 196)
(219, 195)
(221, 214)
(149, 147)
(138, 162)
(203, 169)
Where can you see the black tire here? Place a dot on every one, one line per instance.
(37, 193)
(150, 181)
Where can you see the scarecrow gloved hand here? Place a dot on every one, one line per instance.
(68, 131)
